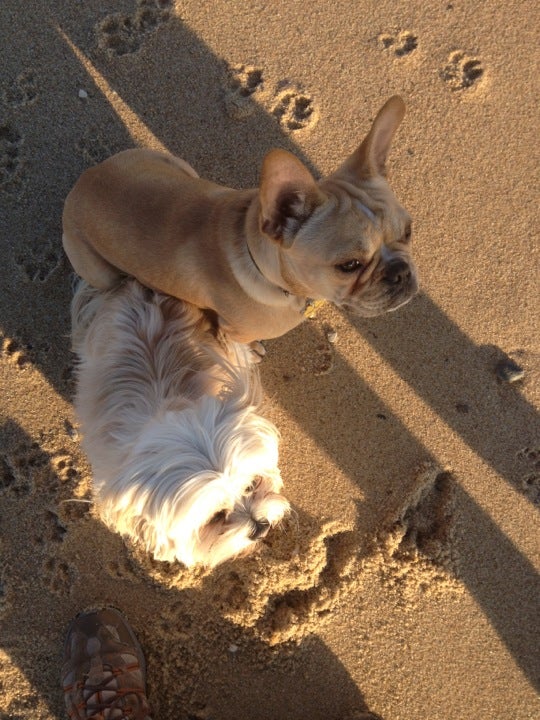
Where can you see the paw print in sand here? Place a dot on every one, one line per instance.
(39, 261)
(461, 71)
(402, 44)
(59, 576)
(120, 34)
(22, 91)
(293, 109)
(11, 141)
(530, 482)
(243, 82)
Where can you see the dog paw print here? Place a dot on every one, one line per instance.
(63, 466)
(93, 147)
(9, 480)
(121, 34)
(230, 593)
(11, 141)
(29, 467)
(418, 548)
(461, 71)
(38, 264)
(530, 482)
(122, 569)
(317, 355)
(22, 91)
(52, 529)
(401, 44)
(243, 83)
(14, 351)
(321, 361)
(60, 576)
(294, 110)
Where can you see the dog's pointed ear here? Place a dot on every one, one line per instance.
(288, 195)
(369, 159)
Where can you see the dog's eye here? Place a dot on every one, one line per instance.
(350, 266)
(218, 517)
(407, 234)
(253, 485)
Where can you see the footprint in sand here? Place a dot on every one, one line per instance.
(243, 83)
(122, 569)
(13, 351)
(316, 356)
(59, 576)
(401, 44)
(64, 466)
(52, 529)
(530, 481)
(9, 480)
(40, 261)
(417, 551)
(93, 146)
(29, 468)
(20, 469)
(120, 34)
(11, 141)
(289, 614)
(461, 71)
(22, 91)
(290, 106)
(294, 109)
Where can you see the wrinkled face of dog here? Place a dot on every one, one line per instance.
(355, 249)
(346, 239)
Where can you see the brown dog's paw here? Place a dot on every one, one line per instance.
(461, 71)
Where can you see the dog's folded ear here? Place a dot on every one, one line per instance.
(369, 159)
(288, 195)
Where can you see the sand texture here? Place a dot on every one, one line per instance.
(406, 584)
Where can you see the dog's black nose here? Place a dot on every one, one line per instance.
(260, 530)
(397, 272)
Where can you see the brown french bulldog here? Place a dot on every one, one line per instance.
(257, 257)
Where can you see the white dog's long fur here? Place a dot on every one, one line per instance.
(181, 460)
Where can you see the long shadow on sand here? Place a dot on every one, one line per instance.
(183, 632)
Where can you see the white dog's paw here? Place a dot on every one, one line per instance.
(258, 351)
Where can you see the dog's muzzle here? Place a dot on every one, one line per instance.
(399, 282)
(397, 273)
(260, 529)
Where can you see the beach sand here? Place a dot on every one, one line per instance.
(407, 583)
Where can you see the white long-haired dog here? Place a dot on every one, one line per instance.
(181, 460)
